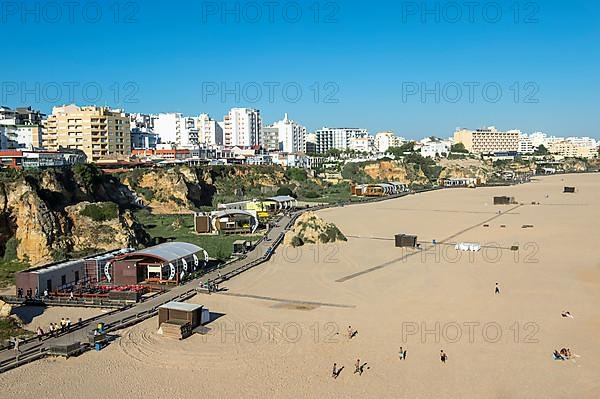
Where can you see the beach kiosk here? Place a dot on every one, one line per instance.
(405, 241)
(178, 320)
(504, 200)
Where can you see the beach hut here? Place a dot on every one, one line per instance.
(504, 200)
(405, 241)
(188, 312)
(178, 320)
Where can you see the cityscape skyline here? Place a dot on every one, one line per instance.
(266, 121)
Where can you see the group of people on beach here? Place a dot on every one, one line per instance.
(359, 368)
(563, 354)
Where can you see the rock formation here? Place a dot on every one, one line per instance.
(311, 229)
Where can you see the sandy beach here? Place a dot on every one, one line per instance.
(281, 326)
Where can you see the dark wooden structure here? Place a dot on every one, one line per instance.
(177, 311)
(569, 190)
(504, 200)
(405, 241)
(202, 223)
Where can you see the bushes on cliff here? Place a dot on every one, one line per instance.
(88, 175)
(101, 212)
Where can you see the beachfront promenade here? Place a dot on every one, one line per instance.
(119, 319)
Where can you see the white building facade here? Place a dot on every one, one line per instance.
(242, 127)
(292, 135)
(337, 138)
(385, 140)
(210, 131)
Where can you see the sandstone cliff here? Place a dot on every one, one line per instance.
(468, 168)
(395, 171)
(93, 232)
(39, 211)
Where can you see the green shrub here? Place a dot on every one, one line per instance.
(88, 175)
(296, 174)
(286, 191)
(101, 212)
(176, 200)
(10, 249)
(311, 194)
(147, 193)
(297, 242)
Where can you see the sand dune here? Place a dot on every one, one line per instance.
(285, 323)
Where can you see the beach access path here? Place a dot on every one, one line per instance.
(119, 319)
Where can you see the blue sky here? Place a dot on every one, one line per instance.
(383, 65)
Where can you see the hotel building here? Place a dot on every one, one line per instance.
(488, 141)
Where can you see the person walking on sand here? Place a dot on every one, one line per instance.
(334, 371)
(497, 290)
(402, 354)
(443, 356)
(357, 366)
(361, 369)
(349, 332)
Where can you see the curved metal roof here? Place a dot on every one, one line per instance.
(168, 252)
(281, 198)
(228, 212)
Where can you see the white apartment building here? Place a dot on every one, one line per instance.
(539, 138)
(269, 138)
(292, 136)
(242, 127)
(20, 128)
(337, 138)
(526, 145)
(385, 140)
(362, 144)
(210, 131)
(168, 127)
(174, 128)
(434, 147)
(488, 140)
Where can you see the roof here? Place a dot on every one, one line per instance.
(282, 198)
(167, 252)
(185, 307)
(57, 266)
(227, 212)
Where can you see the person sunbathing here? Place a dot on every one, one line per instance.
(567, 314)
(558, 356)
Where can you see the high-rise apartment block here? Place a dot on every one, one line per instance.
(99, 132)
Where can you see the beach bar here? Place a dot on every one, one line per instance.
(166, 263)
